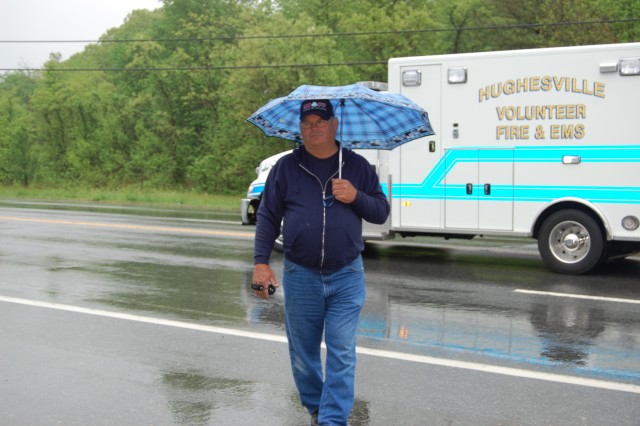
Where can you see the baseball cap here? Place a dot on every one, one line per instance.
(319, 107)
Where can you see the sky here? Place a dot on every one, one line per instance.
(57, 20)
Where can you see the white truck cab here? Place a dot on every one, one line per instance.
(249, 205)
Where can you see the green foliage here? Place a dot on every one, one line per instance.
(189, 74)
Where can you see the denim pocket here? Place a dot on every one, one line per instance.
(357, 265)
(289, 266)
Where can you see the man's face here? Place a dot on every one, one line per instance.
(318, 133)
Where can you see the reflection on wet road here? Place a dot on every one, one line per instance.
(470, 306)
(490, 304)
(184, 391)
(420, 299)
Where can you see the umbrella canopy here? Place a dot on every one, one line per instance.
(368, 119)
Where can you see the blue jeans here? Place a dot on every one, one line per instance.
(329, 303)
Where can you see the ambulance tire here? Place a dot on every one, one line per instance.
(252, 211)
(572, 242)
(278, 245)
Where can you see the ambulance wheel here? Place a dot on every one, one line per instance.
(278, 246)
(252, 211)
(571, 242)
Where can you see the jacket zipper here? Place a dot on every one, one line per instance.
(323, 188)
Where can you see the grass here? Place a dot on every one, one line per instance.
(218, 202)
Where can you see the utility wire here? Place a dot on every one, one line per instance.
(286, 36)
(199, 68)
(345, 34)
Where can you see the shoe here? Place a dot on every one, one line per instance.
(314, 419)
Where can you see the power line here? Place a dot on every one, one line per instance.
(286, 36)
(198, 68)
(344, 34)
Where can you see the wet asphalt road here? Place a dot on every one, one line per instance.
(112, 317)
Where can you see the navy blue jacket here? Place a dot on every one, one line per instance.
(323, 239)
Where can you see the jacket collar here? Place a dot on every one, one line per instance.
(302, 156)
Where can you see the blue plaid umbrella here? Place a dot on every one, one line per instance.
(368, 119)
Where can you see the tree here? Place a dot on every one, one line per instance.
(194, 70)
(17, 159)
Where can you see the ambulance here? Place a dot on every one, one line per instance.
(540, 143)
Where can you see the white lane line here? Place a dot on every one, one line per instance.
(578, 296)
(148, 320)
(507, 371)
(486, 368)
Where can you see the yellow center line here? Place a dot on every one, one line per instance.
(198, 231)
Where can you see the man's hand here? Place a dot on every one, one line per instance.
(344, 191)
(263, 275)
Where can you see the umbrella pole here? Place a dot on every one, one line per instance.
(340, 146)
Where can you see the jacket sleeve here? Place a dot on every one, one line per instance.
(269, 217)
(371, 204)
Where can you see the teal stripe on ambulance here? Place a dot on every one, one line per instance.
(432, 187)
(588, 154)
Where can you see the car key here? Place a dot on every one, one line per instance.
(260, 287)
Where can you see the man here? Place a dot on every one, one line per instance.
(323, 276)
